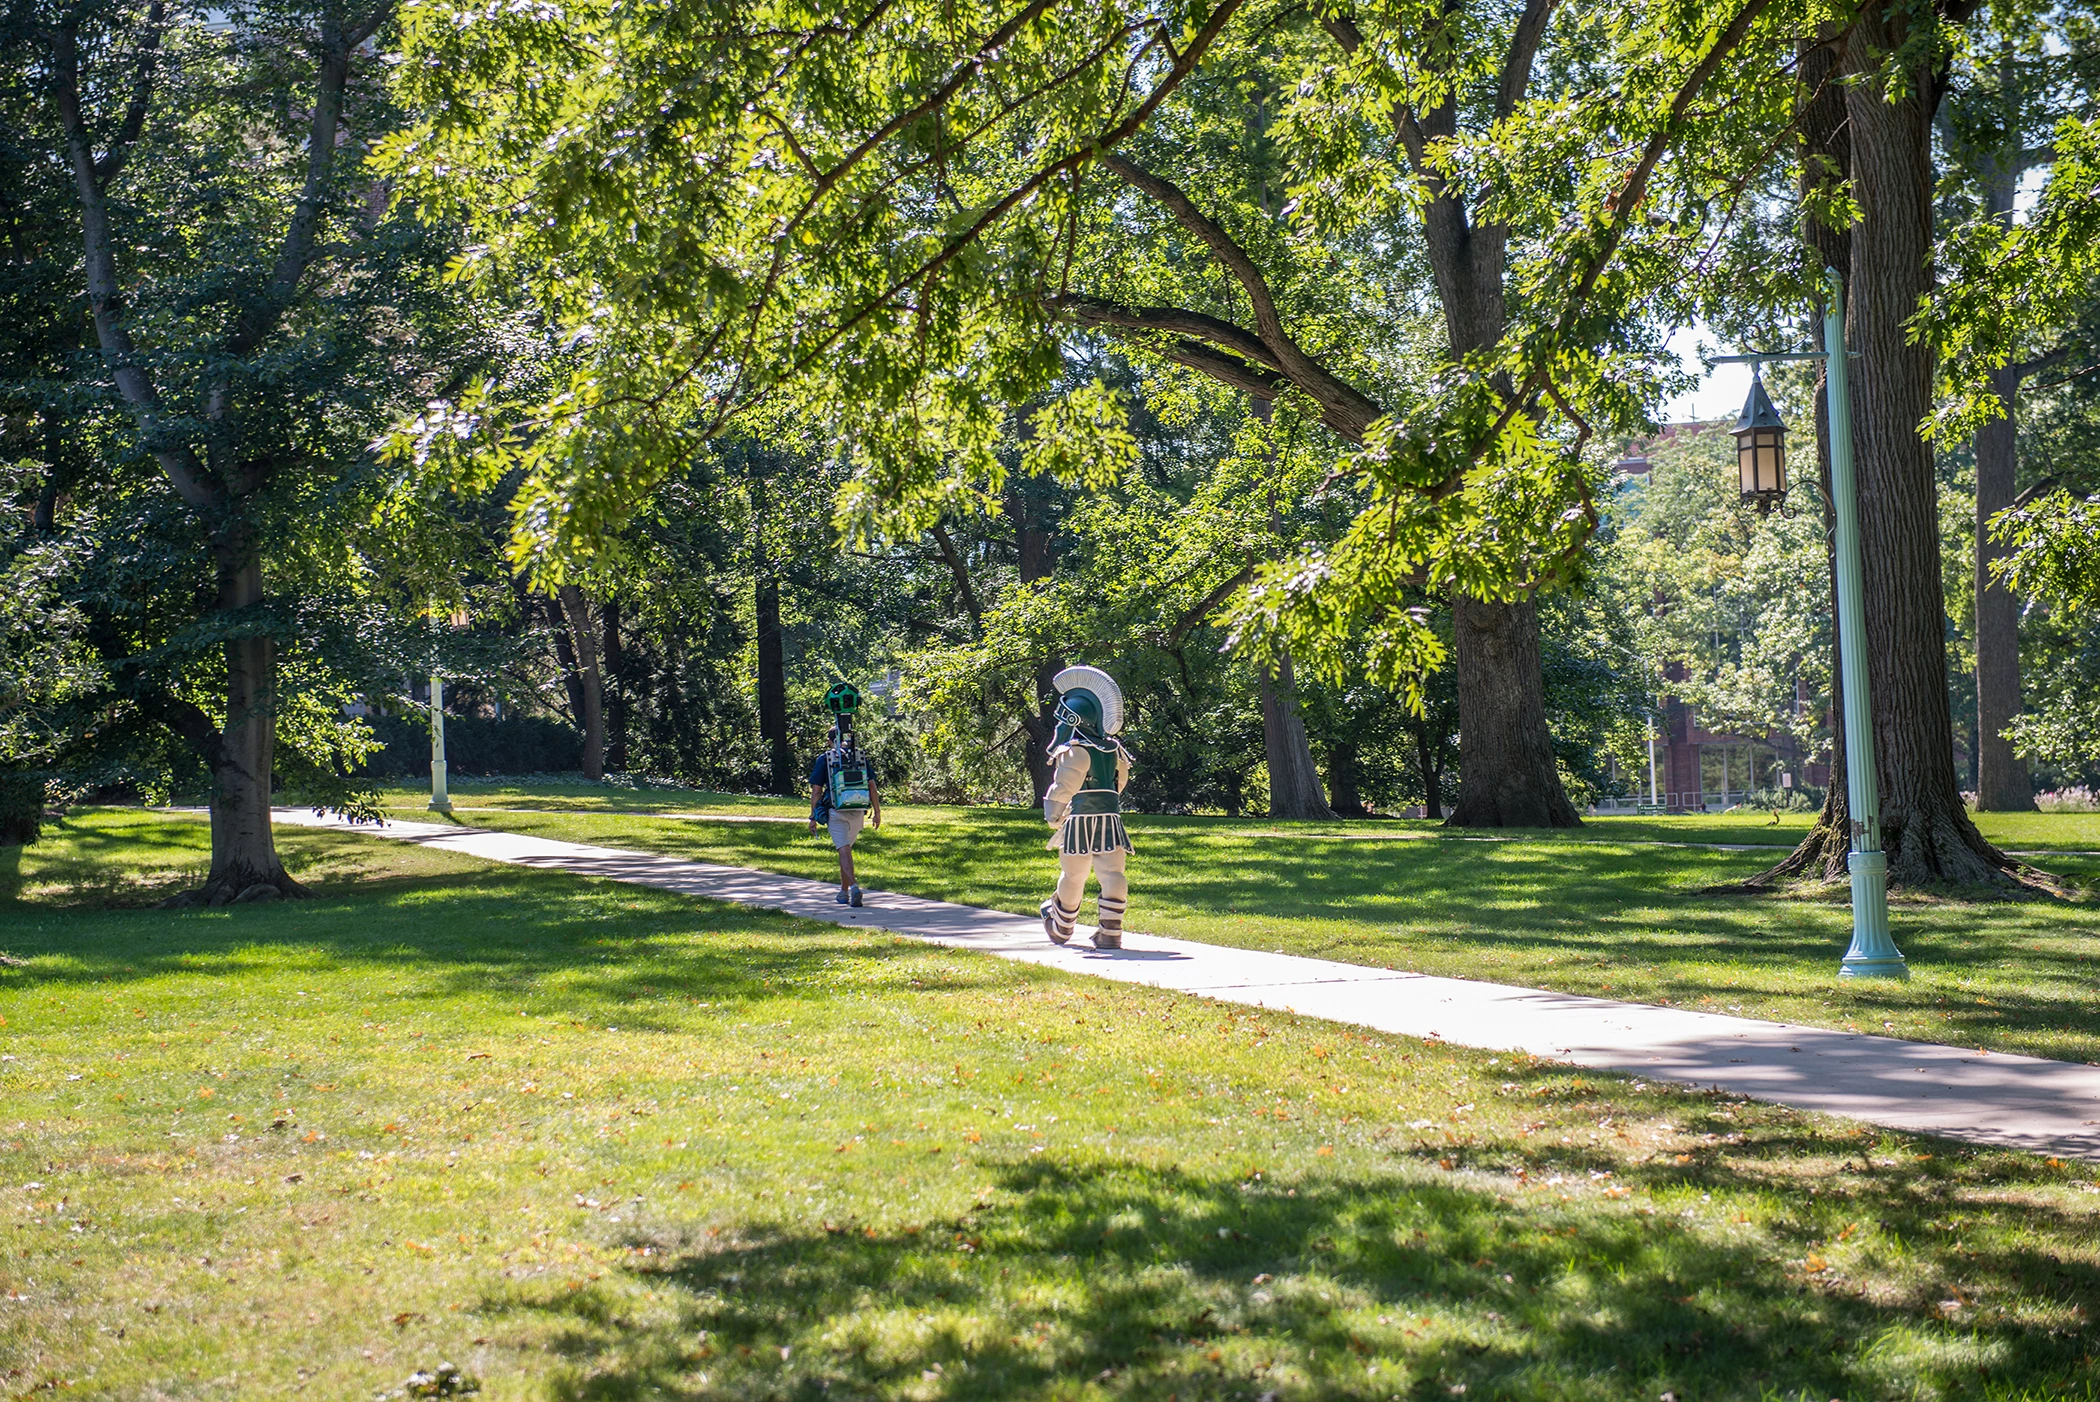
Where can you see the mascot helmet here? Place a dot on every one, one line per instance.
(1089, 699)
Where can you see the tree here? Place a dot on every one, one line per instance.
(227, 352)
(2026, 74)
(881, 224)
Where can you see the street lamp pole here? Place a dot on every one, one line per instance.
(1873, 953)
(440, 801)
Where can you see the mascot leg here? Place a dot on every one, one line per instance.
(1115, 899)
(1061, 911)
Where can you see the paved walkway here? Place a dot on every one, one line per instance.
(1776, 850)
(1984, 1098)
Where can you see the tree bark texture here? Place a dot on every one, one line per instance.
(1294, 782)
(584, 640)
(1925, 829)
(243, 845)
(1504, 753)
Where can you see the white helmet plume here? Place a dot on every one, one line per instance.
(1105, 691)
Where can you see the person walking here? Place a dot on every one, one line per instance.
(843, 794)
(1084, 805)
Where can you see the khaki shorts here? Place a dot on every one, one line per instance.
(846, 824)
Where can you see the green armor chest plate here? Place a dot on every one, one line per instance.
(1101, 770)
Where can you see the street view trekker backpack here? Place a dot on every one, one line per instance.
(848, 769)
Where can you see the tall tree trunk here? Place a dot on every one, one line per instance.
(772, 653)
(615, 670)
(1925, 829)
(583, 638)
(1432, 773)
(565, 657)
(1506, 774)
(1037, 558)
(1826, 162)
(2002, 783)
(1343, 772)
(243, 845)
(1294, 782)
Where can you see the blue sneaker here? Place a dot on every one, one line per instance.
(842, 896)
(856, 897)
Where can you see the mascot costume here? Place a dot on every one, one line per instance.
(1084, 804)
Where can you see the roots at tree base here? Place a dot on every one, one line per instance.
(1925, 850)
(239, 884)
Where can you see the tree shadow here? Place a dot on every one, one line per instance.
(503, 933)
(1155, 1282)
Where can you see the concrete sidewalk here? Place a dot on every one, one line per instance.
(2019, 1102)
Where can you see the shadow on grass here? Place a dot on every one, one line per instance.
(504, 934)
(1155, 1283)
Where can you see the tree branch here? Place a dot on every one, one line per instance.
(1100, 311)
(1338, 399)
(1523, 50)
(300, 245)
(962, 577)
(1349, 38)
(188, 723)
(135, 111)
(2028, 497)
(1202, 608)
(105, 290)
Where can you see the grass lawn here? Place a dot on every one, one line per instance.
(591, 1141)
(1602, 910)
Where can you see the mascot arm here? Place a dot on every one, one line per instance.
(1067, 775)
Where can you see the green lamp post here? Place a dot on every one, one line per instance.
(1761, 458)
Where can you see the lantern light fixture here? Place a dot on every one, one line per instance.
(1760, 449)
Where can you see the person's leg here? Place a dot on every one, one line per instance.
(1113, 901)
(1061, 911)
(845, 828)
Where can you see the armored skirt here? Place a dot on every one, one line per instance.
(1086, 833)
(1094, 824)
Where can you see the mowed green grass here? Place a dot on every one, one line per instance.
(590, 1141)
(1604, 910)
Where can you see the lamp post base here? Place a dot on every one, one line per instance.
(440, 801)
(1873, 954)
(1896, 968)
